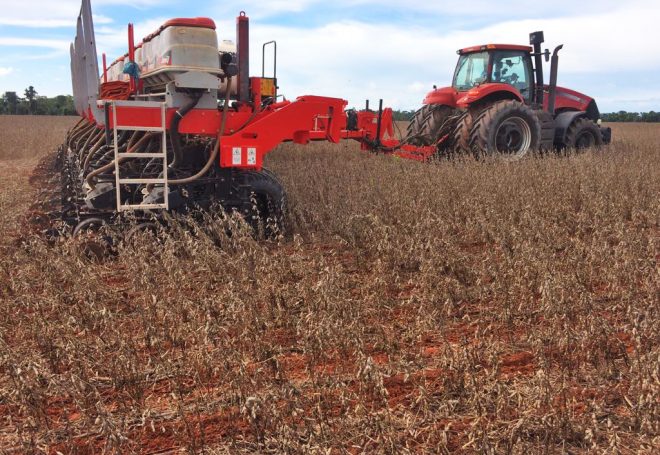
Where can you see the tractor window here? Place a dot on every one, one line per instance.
(512, 67)
(472, 70)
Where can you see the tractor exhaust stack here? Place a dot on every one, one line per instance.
(554, 65)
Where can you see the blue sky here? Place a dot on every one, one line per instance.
(363, 48)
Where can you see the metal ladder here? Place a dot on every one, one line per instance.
(162, 155)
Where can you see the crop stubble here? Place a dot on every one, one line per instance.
(457, 307)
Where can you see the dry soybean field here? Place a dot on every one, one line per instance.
(457, 307)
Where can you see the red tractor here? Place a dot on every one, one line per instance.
(498, 103)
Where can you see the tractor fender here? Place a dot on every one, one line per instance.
(563, 121)
(493, 92)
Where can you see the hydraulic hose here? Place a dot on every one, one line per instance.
(148, 136)
(174, 129)
(216, 148)
(100, 140)
(101, 143)
(73, 141)
(80, 124)
(111, 165)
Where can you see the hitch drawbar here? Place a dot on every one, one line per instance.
(374, 140)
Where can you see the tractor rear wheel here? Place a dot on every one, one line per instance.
(582, 134)
(429, 124)
(508, 128)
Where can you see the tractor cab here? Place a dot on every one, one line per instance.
(495, 64)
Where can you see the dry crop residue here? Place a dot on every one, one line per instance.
(461, 307)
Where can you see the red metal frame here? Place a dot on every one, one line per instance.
(248, 137)
(131, 54)
(105, 70)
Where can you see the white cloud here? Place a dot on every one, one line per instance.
(61, 45)
(258, 9)
(401, 56)
(6, 71)
(400, 63)
(489, 8)
(57, 13)
(467, 11)
(114, 40)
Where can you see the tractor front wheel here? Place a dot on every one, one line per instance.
(508, 128)
(582, 134)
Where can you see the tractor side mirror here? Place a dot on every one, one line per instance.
(547, 55)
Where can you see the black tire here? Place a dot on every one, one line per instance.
(461, 133)
(547, 122)
(429, 124)
(507, 128)
(89, 225)
(583, 134)
(266, 211)
(92, 242)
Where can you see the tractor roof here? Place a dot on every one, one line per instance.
(488, 47)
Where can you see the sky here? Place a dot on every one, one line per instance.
(362, 48)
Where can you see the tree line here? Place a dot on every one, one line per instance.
(31, 103)
(623, 116)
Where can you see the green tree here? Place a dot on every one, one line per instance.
(64, 105)
(31, 96)
(11, 100)
(651, 116)
(402, 115)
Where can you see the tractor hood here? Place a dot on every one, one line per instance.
(444, 95)
(568, 99)
(449, 96)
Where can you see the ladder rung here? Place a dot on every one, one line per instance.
(142, 206)
(140, 181)
(140, 128)
(141, 155)
(162, 155)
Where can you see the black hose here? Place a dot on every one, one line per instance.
(174, 129)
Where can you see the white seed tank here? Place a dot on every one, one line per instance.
(183, 51)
